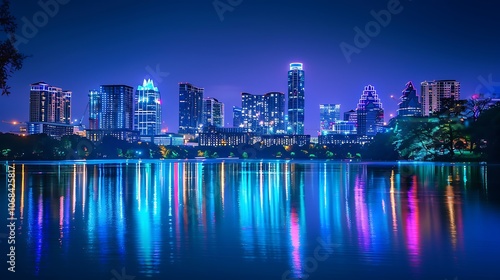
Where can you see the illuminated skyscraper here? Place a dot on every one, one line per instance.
(274, 113)
(94, 109)
(49, 104)
(410, 105)
(237, 117)
(111, 112)
(329, 114)
(49, 111)
(435, 91)
(264, 114)
(65, 115)
(117, 103)
(213, 112)
(147, 112)
(296, 99)
(370, 114)
(190, 108)
(252, 112)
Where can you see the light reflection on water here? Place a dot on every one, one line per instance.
(159, 218)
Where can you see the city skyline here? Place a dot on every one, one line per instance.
(430, 90)
(250, 139)
(237, 49)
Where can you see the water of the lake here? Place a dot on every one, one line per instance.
(232, 219)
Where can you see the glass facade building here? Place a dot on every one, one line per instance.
(237, 117)
(147, 112)
(410, 104)
(296, 99)
(190, 108)
(115, 107)
(263, 114)
(252, 112)
(213, 112)
(274, 113)
(329, 114)
(111, 112)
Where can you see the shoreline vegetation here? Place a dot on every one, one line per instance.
(239, 160)
(456, 134)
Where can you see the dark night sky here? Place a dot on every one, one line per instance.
(89, 43)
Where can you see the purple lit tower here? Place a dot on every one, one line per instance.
(370, 113)
(410, 105)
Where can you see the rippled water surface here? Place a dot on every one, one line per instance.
(253, 220)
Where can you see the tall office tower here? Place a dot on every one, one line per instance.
(296, 99)
(237, 117)
(65, 105)
(329, 114)
(190, 108)
(111, 112)
(434, 92)
(263, 114)
(117, 105)
(49, 104)
(252, 112)
(274, 113)
(213, 112)
(370, 113)
(410, 105)
(95, 111)
(147, 112)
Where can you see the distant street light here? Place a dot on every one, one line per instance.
(12, 122)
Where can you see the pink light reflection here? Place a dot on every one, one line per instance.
(295, 236)
(413, 226)
(362, 219)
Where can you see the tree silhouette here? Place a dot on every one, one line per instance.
(11, 59)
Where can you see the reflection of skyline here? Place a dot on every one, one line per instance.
(274, 206)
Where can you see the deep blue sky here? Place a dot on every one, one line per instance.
(89, 43)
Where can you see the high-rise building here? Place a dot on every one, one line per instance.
(49, 104)
(116, 107)
(65, 115)
(213, 112)
(329, 114)
(263, 114)
(296, 99)
(147, 112)
(274, 113)
(370, 114)
(50, 111)
(190, 108)
(434, 92)
(95, 111)
(252, 112)
(111, 112)
(410, 104)
(237, 117)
